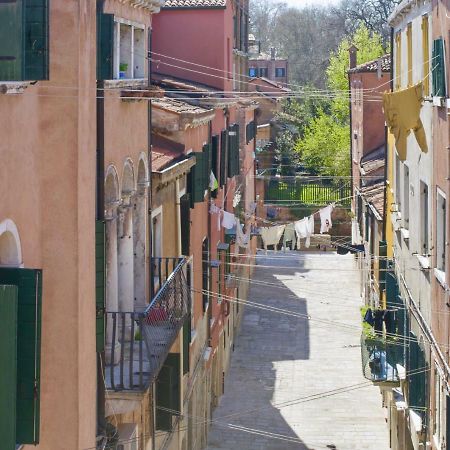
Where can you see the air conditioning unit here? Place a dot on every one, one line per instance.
(128, 436)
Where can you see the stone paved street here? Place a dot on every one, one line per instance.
(281, 358)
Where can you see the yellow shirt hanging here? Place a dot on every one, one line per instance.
(402, 113)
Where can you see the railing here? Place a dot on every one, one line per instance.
(161, 269)
(308, 190)
(138, 343)
(379, 358)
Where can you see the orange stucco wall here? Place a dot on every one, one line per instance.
(176, 33)
(47, 186)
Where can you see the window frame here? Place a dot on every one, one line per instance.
(441, 224)
(283, 72)
(133, 57)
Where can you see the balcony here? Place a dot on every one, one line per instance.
(138, 343)
(379, 358)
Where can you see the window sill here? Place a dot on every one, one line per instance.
(440, 276)
(439, 101)
(424, 261)
(13, 87)
(126, 82)
(405, 233)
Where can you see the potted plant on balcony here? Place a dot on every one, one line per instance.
(123, 67)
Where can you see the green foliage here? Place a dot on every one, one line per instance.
(370, 47)
(287, 158)
(325, 146)
(299, 112)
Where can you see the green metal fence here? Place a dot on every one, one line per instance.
(308, 190)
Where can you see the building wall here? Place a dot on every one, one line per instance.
(271, 65)
(47, 185)
(177, 33)
(441, 167)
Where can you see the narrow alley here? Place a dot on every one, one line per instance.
(295, 379)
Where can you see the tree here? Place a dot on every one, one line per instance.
(374, 16)
(324, 149)
(286, 157)
(263, 15)
(369, 46)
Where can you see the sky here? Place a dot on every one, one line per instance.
(300, 3)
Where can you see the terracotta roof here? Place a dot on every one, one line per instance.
(374, 195)
(372, 66)
(188, 4)
(162, 158)
(177, 106)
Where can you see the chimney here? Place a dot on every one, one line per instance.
(353, 53)
(272, 53)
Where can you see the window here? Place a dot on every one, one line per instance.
(20, 350)
(441, 227)
(263, 72)
(198, 177)
(205, 273)
(397, 181)
(233, 151)
(438, 69)
(280, 72)
(168, 392)
(425, 56)
(437, 406)
(250, 131)
(157, 235)
(398, 60)
(405, 208)
(24, 43)
(424, 218)
(253, 72)
(129, 50)
(410, 53)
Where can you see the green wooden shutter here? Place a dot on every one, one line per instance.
(105, 46)
(233, 154)
(196, 179)
(36, 40)
(417, 381)
(11, 41)
(8, 357)
(29, 284)
(186, 345)
(100, 284)
(382, 265)
(185, 213)
(223, 158)
(24, 42)
(215, 162)
(438, 66)
(207, 165)
(168, 392)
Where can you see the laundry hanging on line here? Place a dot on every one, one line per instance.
(325, 219)
(213, 209)
(228, 220)
(289, 236)
(272, 235)
(242, 239)
(304, 229)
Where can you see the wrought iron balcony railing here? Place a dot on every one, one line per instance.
(379, 358)
(138, 343)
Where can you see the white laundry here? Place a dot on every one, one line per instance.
(272, 235)
(228, 220)
(289, 236)
(213, 209)
(304, 229)
(242, 239)
(325, 219)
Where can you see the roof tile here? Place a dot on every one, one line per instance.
(169, 4)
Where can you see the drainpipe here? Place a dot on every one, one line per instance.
(386, 153)
(100, 216)
(149, 204)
